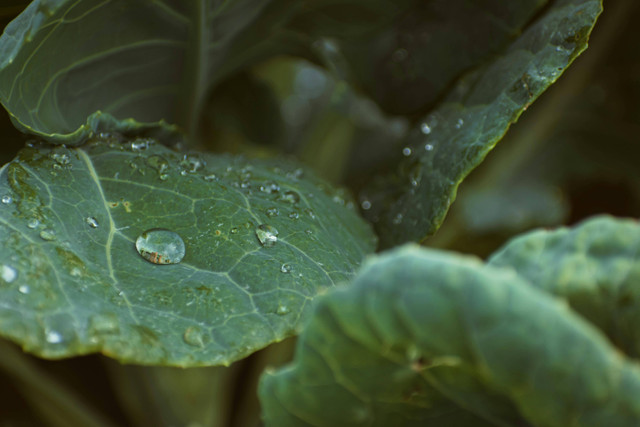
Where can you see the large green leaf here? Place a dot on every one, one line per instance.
(594, 266)
(432, 338)
(73, 283)
(447, 144)
(61, 61)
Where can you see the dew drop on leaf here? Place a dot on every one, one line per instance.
(291, 197)
(294, 215)
(234, 230)
(425, 128)
(8, 273)
(282, 310)
(267, 235)
(160, 246)
(47, 235)
(33, 223)
(272, 211)
(286, 268)
(406, 151)
(53, 337)
(7, 199)
(91, 222)
(194, 336)
(24, 289)
(428, 147)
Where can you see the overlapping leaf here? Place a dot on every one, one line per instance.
(594, 266)
(432, 339)
(62, 61)
(454, 138)
(72, 281)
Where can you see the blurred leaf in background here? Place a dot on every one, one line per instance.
(573, 154)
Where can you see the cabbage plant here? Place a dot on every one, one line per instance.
(200, 182)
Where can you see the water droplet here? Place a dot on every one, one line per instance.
(291, 197)
(53, 337)
(294, 215)
(140, 144)
(158, 163)
(428, 147)
(425, 128)
(311, 214)
(33, 223)
(267, 235)
(286, 268)
(160, 246)
(211, 177)
(47, 235)
(459, 123)
(60, 159)
(24, 289)
(271, 212)
(234, 230)
(194, 336)
(91, 221)
(366, 205)
(269, 187)
(104, 323)
(282, 310)
(7, 199)
(8, 273)
(192, 163)
(406, 151)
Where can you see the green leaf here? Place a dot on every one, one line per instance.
(447, 144)
(431, 338)
(73, 283)
(61, 61)
(594, 266)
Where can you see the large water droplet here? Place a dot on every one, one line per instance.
(33, 223)
(428, 147)
(267, 235)
(91, 222)
(8, 273)
(7, 199)
(194, 336)
(406, 151)
(24, 289)
(425, 128)
(160, 246)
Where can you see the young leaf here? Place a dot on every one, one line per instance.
(594, 266)
(431, 338)
(454, 138)
(245, 246)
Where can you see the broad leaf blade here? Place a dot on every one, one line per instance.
(594, 266)
(430, 338)
(61, 61)
(448, 143)
(73, 283)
